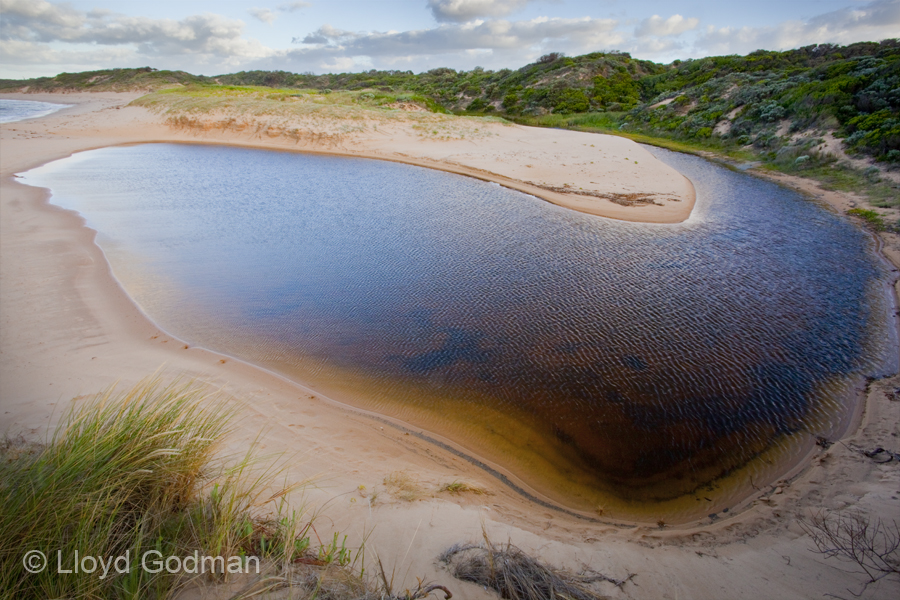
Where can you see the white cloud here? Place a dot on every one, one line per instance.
(659, 27)
(293, 6)
(461, 11)
(32, 53)
(267, 15)
(565, 34)
(263, 14)
(205, 37)
(874, 21)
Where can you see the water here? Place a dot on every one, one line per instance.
(19, 110)
(603, 362)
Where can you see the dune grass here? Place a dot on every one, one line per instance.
(404, 486)
(872, 219)
(124, 474)
(310, 111)
(138, 471)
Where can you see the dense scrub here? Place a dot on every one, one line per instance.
(756, 99)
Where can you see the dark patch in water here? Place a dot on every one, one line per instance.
(459, 345)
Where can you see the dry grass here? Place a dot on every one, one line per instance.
(462, 487)
(305, 112)
(403, 486)
(516, 576)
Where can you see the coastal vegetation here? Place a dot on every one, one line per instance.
(127, 474)
(300, 113)
(515, 575)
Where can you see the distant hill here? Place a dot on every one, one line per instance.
(108, 80)
(555, 83)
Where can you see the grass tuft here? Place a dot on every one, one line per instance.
(120, 475)
(403, 486)
(461, 487)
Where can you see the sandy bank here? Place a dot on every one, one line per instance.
(68, 329)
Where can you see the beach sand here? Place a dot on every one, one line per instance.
(67, 329)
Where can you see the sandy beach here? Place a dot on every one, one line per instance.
(68, 329)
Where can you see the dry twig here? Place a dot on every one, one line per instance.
(872, 544)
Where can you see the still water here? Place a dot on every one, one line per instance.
(20, 110)
(603, 362)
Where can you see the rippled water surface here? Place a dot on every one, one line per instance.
(588, 355)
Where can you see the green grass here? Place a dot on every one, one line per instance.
(126, 473)
(871, 218)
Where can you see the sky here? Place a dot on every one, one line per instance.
(205, 37)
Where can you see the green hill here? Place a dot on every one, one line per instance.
(107, 80)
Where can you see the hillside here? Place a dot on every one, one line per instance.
(853, 91)
(107, 80)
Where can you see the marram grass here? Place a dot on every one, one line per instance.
(129, 472)
(137, 471)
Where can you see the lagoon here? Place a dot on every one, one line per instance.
(600, 361)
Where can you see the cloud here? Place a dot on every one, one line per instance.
(659, 27)
(874, 21)
(462, 11)
(293, 6)
(41, 37)
(263, 14)
(267, 15)
(566, 34)
(204, 39)
(31, 53)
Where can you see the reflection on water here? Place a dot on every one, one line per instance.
(642, 361)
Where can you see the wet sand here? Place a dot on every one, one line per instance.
(67, 329)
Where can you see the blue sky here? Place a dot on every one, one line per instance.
(41, 37)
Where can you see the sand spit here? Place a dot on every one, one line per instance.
(68, 329)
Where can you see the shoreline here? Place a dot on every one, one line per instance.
(68, 328)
